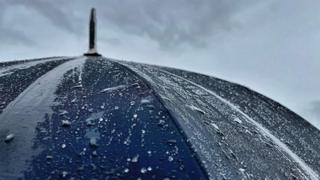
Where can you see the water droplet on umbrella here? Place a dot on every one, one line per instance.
(171, 142)
(94, 153)
(64, 174)
(143, 170)
(215, 126)
(237, 120)
(93, 142)
(9, 138)
(89, 122)
(161, 123)
(66, 123)
(135, 159)
(63, 112)
(48, 157)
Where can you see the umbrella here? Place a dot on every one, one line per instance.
(92, 117)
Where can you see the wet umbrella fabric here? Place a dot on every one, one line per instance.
(94, 117)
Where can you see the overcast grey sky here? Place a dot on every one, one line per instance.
(270, 46)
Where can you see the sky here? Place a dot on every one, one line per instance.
(270, 46)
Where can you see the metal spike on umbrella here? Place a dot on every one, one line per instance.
(74, 118)
(92, 35)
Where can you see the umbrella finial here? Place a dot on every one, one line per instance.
(92, 35)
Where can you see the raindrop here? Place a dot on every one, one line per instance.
(194, 108)
(135, 116)
(66, 123)
(143, 170)
(170, 158)
(220, 133)
(149, 168)
(161, 123)
(126, 142)
(48, 157)
(215, 126)
(171, 142)
(94, 153)
(64, 174)
(237, 120)
(93, 142)
(63, 146)
(116, 107)
(132, 103)
(89, 122)
(63, 112)
(77, 86)
(135, 159)
(145, 101)
(126, 170)
(9, 138)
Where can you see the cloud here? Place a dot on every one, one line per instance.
(55, 12)
(10, 37)
(9, 33)
(172, 23)
(169, 23)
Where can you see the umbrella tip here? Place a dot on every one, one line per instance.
(92, 34)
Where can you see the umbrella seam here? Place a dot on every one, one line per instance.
(175, 122)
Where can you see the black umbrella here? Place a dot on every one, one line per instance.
(95, 117)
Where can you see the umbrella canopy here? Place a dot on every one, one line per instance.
(94, 117)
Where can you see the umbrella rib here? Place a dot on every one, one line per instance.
(175, 122)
